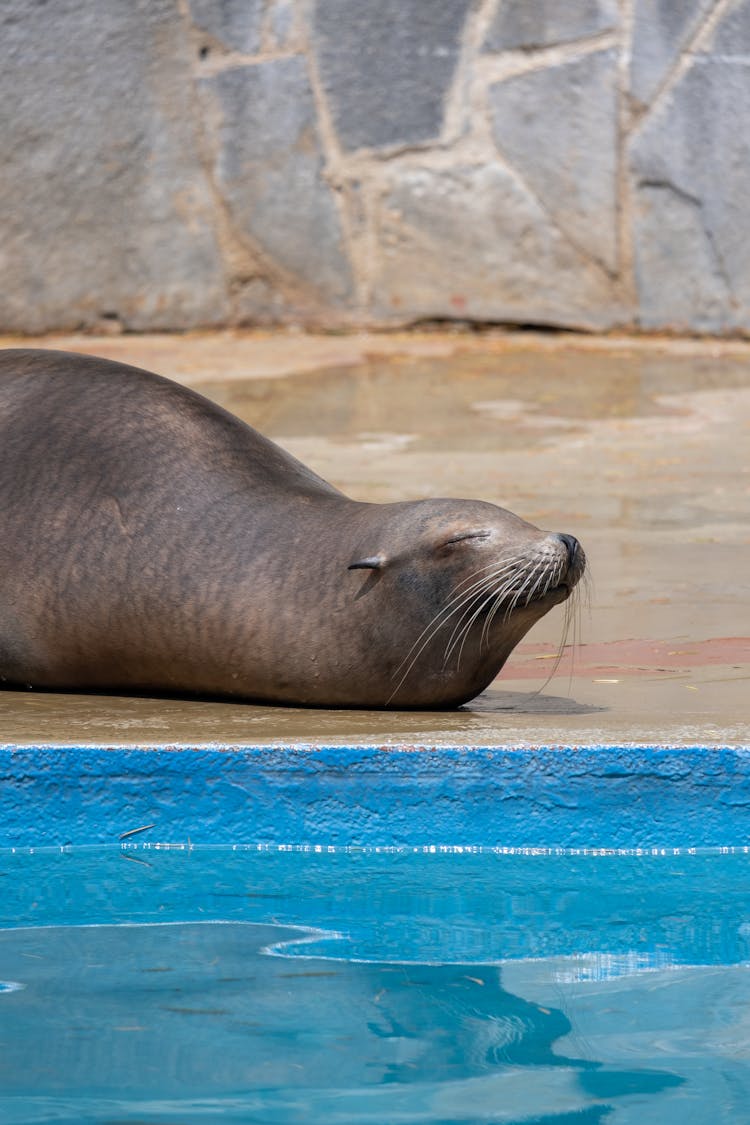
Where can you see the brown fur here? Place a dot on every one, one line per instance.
(151, 541)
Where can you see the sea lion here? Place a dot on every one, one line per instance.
(151, 541)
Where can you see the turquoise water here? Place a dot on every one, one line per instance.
(452, 988)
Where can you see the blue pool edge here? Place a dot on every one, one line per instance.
(603, 796)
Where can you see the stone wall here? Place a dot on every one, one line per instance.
(175, 163)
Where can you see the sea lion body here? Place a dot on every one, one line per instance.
(151, 541)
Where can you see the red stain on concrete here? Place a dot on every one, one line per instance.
(634, 657)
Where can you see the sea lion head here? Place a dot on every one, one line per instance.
(467, 580)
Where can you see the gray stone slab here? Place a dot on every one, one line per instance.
(282, 21)
(106, 210)
(386, 67)
(660, 30)
(235, 23)
(269, 167)
(690, 165)
(732, 36)
(528, 24)
(471, 242)
(558, 126)
(680, 280)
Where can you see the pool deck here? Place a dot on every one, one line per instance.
(639, 447)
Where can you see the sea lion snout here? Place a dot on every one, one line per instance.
(576, 560)
(572, 544)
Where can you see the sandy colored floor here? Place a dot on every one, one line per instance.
(640, 448)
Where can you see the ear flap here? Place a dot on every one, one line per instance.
(373, 562)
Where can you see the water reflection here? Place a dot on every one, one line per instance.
(152, 1015)
(437, 989)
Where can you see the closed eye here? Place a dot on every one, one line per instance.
(466, 535)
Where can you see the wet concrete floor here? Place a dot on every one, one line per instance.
(641, 448)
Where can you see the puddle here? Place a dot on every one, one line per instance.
(473, 401)
(639, 450)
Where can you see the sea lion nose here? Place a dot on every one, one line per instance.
(571, 543)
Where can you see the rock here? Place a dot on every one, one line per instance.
(282, 22)
(690, 164)
(235, 23)
(660, 30)
(386, 67)
(528, 24)
(732, 36)
(269, 168)
(472, 243)
(558, 126)
(106, 210)
(146, 188)
(679, 276)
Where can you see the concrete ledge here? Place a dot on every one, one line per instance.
(493, 796)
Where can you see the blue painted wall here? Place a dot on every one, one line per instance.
(608, 796)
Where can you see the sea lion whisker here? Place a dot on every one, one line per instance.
(501, 595)
(558, 656)
(485, 586)
(469, 624)
(460, 598)
(533, 583)
(428, 634)
(435, 625)
(536, 589)
(466, 607)
(463, 627)
(588, 589)
(555, 574)
(529, 598)
(496, 595)
(571, 619)
(520, 592)
(502, 565)
(497, 598)
(500, 560)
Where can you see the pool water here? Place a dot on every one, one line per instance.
(450, 987)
